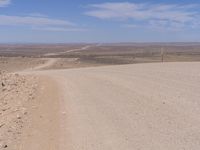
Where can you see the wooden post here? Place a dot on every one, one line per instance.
(162, 54)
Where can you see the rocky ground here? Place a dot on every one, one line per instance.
(16, 64)
(16, 92)
(63, 108)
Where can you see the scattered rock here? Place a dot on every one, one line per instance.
(2, 125)
(64, 113)
(16, 92)
(2, 84)
(19, 117)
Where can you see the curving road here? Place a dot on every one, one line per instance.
(48, 62)
(130, 107)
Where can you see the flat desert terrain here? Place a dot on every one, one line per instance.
(91, 97)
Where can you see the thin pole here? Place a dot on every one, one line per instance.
(162, 54)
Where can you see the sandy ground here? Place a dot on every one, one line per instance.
(48, 62)
(16, 93)
(143, 106)
(42, 132)
(16, 64)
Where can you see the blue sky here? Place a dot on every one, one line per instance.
(64, 21)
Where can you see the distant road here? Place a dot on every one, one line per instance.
(130, 107)
(48, 63)
(68, 51)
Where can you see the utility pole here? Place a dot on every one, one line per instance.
(162, 54)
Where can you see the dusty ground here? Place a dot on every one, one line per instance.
(84, 55)
(144, 106)
(16, 93)
(42, 131)
(52, 103)
(16, 64)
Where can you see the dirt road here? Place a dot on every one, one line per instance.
(68, 51)
(49, 62)
(140, 107)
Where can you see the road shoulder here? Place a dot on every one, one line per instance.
(42, 131)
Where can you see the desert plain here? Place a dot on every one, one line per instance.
(125, 96)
